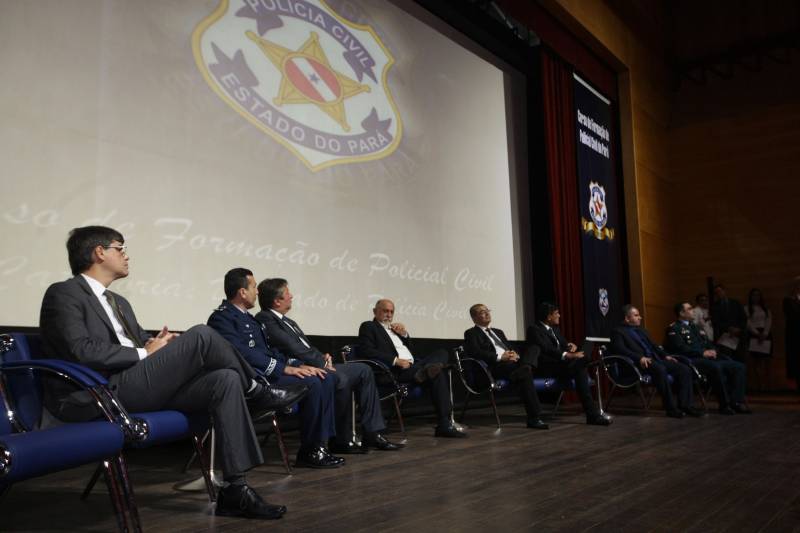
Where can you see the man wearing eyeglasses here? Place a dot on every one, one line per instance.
(491, 346)
(81, 320)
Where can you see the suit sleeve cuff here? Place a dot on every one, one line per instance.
(563, 356)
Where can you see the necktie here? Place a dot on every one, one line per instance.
(496, 339)
(296, 332)
(555, 337)
(121, 318)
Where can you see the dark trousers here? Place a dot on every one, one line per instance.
(659, 370)
(524, 382)
(318, 421)
(574, 369)
(728, 378)
(439, 386)
(198, 371)
(358, 378)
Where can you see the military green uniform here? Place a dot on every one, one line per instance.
(728, 377)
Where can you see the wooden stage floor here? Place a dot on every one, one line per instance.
(644, 473)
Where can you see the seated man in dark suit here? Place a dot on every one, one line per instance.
(285, 334)
(232, 320)
(198, 371)
(491, 346)
(561, 359)
(382, 340)
(727, 377)
(632, 341)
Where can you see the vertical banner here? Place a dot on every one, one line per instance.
(599, 211)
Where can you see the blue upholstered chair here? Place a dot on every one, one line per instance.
(477, 379)
(142, 430)
(623, 374)
(27, 452)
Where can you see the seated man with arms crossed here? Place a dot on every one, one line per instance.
(632, 341)
(198, 371)
(232, 320)
(561, 359)
(727, 377)
(491, 346)
(285, 334)
(382, 340)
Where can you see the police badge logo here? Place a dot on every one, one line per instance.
(302, 74)
(603, 301)
(598, 212)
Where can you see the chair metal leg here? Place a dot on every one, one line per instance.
(399, 416)
(127, 491)
(645, 405)
(558, 402)
(198, 447)
(494, 408)
(611, 395)
(699, 391)
(281, 444)
(114, 494)
(650, 398)
(466, 404)
(92, 480)
(190, 462)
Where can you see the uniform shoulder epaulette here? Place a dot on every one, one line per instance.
(221, 307)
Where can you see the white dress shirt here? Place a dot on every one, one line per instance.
(99, 291)
(497, 348)
(402, 350)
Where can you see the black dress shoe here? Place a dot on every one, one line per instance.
(318, 458)
(598, 420)
(450, 432)
(742, 409)
(241, 500)
(691, 411)
(674, 413)
(349, 447)
(380, 442)
(537, 423)
(725, 410)
(265, 397)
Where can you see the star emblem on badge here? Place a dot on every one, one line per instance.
(309, 78)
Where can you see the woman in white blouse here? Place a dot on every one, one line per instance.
(759, 330)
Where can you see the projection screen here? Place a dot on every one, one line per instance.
(358, 149)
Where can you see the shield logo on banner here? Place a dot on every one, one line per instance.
(603, 301)
(597, 205)
(308, 78)
(598, 213)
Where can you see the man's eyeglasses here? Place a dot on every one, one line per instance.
(121, 248)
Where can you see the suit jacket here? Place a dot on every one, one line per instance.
(248, 337)
(727, 314)
(74, 326)
(287, 341)
(374, 343)
(478, 345)
(549, 349)
(624, 343)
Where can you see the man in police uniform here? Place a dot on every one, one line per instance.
(241, 329)
(728, 377)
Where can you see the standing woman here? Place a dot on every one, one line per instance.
(791, 310)
(759, 331)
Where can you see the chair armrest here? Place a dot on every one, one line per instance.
(688, 362)
(383, 370)
(90, 381)
(462, 363)
(620, 359)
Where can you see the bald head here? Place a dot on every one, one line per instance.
(383, 310)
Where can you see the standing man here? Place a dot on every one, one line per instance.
(285, 334)
(562, 359)
(382, 340)
(81, 320)
(728, 377)
(491, 346)
(729, 321)
(633, 341)
(233, 321)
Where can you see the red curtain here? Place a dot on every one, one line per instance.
(562, 184)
